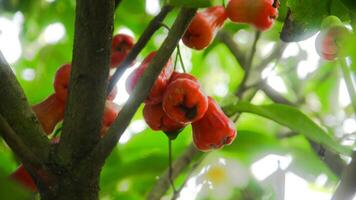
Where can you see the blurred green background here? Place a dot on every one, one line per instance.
(36, 37)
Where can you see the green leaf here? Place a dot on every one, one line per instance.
(296, 121)
(190, 3)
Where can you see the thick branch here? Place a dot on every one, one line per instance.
(154, 25)
(144, 85)
(89, 78)
(17, 145)
(18, 114)
(163, 184)
(226, 38)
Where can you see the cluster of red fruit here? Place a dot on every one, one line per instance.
(51, 111)
(259, 13)
(176, 100)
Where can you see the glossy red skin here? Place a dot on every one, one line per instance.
(158, 120)
(326, 42)
(49, 112)
(184, 101)
(214, 130)
(160, 84)
(110, 113)
(178, 75)
(24, 178)
(203, 27)
(260, 13)
(120, 48)
(61, 82)
(112, 94)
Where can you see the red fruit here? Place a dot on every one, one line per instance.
(329, 42)
(24, 178)
(112, 94)
(158, 120)
(203, 27)
(110, 113)
(120, 48)
(214, 130)
(178, 75)
(184, 102)
(260, 13)
(159, 86)
(61, 82)
(49, 112)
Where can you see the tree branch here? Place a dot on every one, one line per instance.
(140, 92)
(274, 95)
(19, 116)
(163, 184)
(276, 54)
(248, 65)
(226, 38)
(88, 81)
(346, 189)
(17, 145)
(154, 25)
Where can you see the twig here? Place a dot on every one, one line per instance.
(248, 64)
(88, 80)
(171, 181)
(154, 25)
(276, 54)
(181, 59)
(139, 94)
(226, 38)
(274, 95)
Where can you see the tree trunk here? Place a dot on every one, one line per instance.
(80, 184)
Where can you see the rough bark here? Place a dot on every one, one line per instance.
(89, 78)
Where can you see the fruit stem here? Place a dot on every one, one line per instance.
(181, 59)
(170, 168)
(349, 83)
(176, 61)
